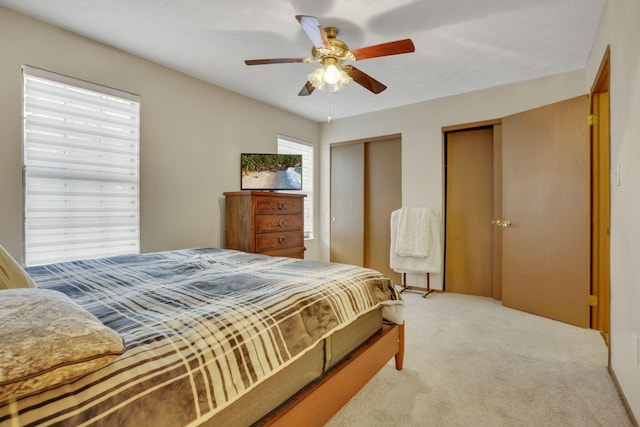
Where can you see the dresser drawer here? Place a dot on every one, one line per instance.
(268, 223)
(267, 241)
(271, 205)
(296, 252)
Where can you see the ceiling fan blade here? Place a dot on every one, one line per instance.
(311, 26)
(384, 49)
(273, 61)
(364, 80)
(307, 89)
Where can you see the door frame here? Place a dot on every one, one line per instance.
(600, 198)
(346, 244)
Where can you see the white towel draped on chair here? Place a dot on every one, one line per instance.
(415, 240)
(413, 232)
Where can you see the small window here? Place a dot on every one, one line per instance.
(287, 145)
(80, 169)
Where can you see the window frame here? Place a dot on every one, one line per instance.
(308, 172)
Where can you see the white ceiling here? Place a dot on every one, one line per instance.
(461, 45)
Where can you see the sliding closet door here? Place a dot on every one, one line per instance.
(383, 195)
(347, 204)
(545, 170)
(366, 186)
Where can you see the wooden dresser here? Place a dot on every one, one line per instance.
(265, 222)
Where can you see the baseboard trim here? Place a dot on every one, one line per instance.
(623, 397)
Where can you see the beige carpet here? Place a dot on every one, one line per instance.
(472, 362)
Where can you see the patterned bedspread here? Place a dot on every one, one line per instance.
(202, 326)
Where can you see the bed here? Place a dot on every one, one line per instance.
(194, 337)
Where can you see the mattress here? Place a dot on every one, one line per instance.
(203, 329)
(282, 387)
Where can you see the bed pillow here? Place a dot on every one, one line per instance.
(47, 340)
(12, 275)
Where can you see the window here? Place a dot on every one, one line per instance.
(80, 169)
(287, 145)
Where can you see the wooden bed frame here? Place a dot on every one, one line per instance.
(316, 404)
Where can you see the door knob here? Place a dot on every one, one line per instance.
(505, 224)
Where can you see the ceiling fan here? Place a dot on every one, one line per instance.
(331, 53)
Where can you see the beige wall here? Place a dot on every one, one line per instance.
(620, 30)
(192, 134)
(421, 129)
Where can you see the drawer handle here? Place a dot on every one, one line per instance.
(282, 223)
(281, 205)
(281, 239)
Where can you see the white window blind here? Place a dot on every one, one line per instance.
(80, 169)
(287, 145)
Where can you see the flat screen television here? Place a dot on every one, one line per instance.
(271, 172)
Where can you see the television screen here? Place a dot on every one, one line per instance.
(271, 171)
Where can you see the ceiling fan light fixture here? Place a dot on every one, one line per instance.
(316, 77)
(345, 79)
(332, 74)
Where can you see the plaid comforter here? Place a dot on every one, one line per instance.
(202, 327)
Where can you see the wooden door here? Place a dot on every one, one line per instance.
(347, 204)
(383, 195)
(469, 212)
(545, 170)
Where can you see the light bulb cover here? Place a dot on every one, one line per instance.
(331, 74)
(316, 78)
(345, 79)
